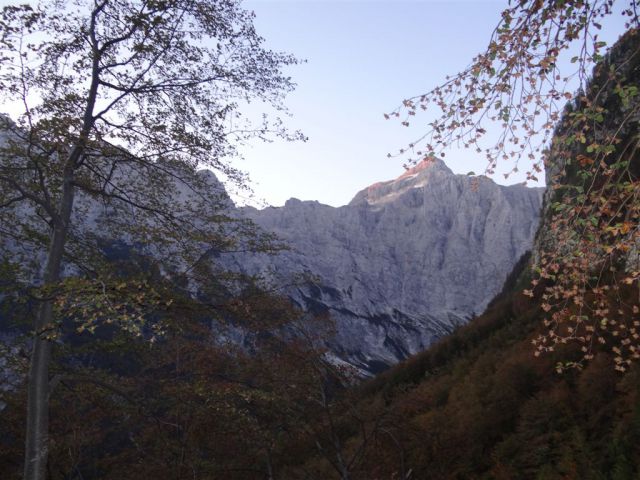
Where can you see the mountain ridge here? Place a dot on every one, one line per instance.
(403, 263)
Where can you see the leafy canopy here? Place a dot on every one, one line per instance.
(589, 149)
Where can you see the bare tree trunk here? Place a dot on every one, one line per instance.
(37, 433)
(37, 441)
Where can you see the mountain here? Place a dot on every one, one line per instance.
(400, 266)
(404, 263)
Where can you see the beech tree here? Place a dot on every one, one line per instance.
(118, 105)
(583, 129)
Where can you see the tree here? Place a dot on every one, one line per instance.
(120, 103)
(587, 266)
(182, 407)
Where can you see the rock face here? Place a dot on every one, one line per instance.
(398, 267)
(404, 262)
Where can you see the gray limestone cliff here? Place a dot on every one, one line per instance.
(404, 262)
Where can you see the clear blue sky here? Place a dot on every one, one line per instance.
(363, 58)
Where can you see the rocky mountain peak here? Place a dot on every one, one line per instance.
(429, 164)
(418, 176)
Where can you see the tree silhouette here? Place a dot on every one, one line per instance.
(120, 103)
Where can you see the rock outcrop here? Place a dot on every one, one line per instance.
(404, 262)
